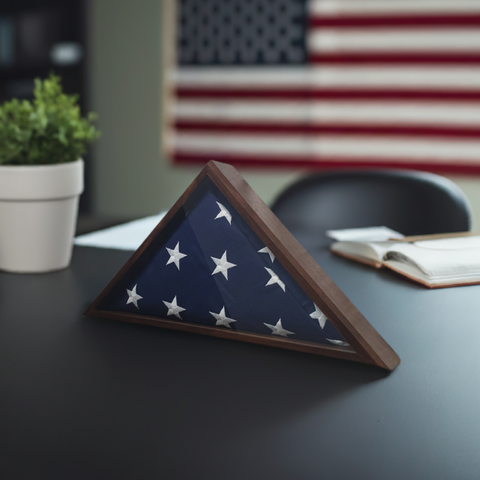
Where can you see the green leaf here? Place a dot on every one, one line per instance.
(50, 129)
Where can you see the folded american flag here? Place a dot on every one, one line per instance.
(209, 268)
(221, 264)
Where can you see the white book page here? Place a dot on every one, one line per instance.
(459, 243)
(370, 243)
(444, 261)
(367, 250)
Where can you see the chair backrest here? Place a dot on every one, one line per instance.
(410, 202)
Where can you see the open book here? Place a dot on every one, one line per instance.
(444, 262)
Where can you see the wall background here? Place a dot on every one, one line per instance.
(131, 176)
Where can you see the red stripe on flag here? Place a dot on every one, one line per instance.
(366, 94)
(404, 21)
(454, 166)
(396, 57)
(254, 128)
(254, 93)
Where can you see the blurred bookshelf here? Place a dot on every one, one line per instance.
(38, 37)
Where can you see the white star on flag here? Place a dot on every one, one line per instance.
(274, 279)
(175, 255)
(222, 319)
(222, 265)
(320, 316)
(224, 213)
(339, 343)
(278, 329)
(267, 250)
(173, 308)
(133, 296)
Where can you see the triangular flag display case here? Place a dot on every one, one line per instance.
(220, 263)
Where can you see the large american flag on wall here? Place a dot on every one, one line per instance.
(328, 83)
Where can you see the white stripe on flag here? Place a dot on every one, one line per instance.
(323, 112)
(390, 39)
(461, 77)
(361, 148)
(369, 7)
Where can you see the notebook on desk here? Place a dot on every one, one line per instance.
(435, 262)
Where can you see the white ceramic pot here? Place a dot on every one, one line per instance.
(38, 212)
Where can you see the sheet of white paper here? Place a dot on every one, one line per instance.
(128, 236)
(367, 234)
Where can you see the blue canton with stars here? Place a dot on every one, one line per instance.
(210, 268)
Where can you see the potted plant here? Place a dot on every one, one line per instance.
(41, 177)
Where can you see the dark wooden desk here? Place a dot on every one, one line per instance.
(85, 398)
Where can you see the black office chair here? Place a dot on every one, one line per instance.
(413, 203)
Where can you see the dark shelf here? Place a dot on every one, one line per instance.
(35, 35)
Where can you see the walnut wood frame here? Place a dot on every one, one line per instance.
(369, 347)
